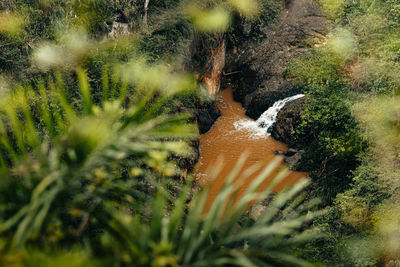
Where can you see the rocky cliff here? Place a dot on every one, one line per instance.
(260, 82)
(255, 67)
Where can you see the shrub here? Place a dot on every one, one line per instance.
(330, 136)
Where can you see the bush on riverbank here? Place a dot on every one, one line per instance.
(370, 83)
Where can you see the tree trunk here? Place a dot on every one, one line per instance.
(146, 4)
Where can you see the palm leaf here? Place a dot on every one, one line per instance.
(88, 138)
(218, 236)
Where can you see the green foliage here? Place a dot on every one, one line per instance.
(323, 65)
(368, 205)
(39, 25)
(35, 258)
(329, 134)
(328, 131)
(351, 220)
(78, 156)
(87, 157)
(176, 231)
(81, 177)
(221, 236)
(315, 68)
(125, 10)
(333, 250)
(367, 192)
(169, 41)
(374, 25)
(93, 15)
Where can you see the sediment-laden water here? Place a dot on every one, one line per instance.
(234, 134)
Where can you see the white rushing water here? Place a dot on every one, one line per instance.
(262, 127)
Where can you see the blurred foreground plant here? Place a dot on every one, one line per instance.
(184, 233)
(62, 158)
(179, 231)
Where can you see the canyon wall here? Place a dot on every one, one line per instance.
(261, 80)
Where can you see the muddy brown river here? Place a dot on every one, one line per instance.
(227, 140)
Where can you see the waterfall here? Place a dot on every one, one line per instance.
(268, 118)
(262, 127)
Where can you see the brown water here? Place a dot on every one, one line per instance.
(226, 142)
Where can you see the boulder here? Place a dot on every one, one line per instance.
(118, 29)
(291, 152)
(206, 114)
(287, 120)
(293, 158)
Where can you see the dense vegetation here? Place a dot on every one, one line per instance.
(350, 132)
(98, 137)
(97, 134)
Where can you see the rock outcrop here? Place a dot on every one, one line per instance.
(292, 160)
(291, 157)
(118, 29)
(261, 80)
(256, 68)
(287, 120)
(212, 78)
(206, 114)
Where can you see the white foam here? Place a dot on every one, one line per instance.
(251, 127)
(261, 128)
